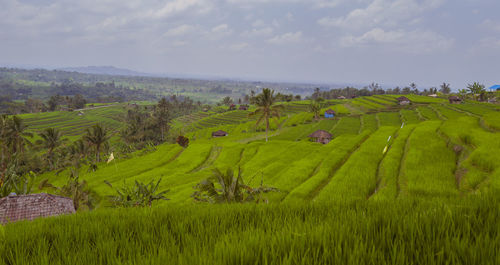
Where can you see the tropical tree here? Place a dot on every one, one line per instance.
(476, 89)
(139, 195)
(227, 101)
(445, 88)
(462, 93)
(17, 135)
(51, 139)
(97, 137)
(232, 189)
(162, 115)
(315, 108)
(83, 197)
(266, 108)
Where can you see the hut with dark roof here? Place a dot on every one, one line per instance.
(329, 113)
(219, 133)
(403, 100)
(243, 107)
(321, 136)
(28, 207)
(455, 100)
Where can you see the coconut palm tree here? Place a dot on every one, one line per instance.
(51, 139)
(96, 137)
(315, 108)
(17, 134)
(266, 108)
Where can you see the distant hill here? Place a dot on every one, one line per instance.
(104, 70)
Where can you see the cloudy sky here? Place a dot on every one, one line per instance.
(392, 42)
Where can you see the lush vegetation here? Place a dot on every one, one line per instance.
(414, 184)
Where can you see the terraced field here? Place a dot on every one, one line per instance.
(74, 123)
(429, 150)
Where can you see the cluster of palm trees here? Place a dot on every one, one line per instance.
(20, 157)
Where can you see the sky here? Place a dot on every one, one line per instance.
(391, 42)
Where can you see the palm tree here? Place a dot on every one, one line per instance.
(232, 189)
(266, 108)
(462, 93)
(97, 136)
(16, 134)
(315, 108)
(475, 89)
(51, 139)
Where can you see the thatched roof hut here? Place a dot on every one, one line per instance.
(28, 207)
(243, 107)
(219, 133)
(455, 100)
(321, 136)
(403, 100)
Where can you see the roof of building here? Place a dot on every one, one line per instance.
(454, 98)
(321, 134)
(403, 98)
(28, 207)
(219, 133)
(330, 111)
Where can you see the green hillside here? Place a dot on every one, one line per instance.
(415, 184)
(436, 151)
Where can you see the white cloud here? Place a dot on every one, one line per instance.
(258, 23)
(290, 37)
(178, 6)
(221, 29)
(239, 46)
(258, 32)
(417, 41)
(492, 25)
(382, 13)
(312, 3)
(179, 31)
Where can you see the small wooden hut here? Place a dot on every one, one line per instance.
(243, 107)
(329, 113)
(219, 133)
(28, 207)
(321, 136)
(455, 100)
(403, 100)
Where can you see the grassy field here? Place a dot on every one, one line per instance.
(402, 232)
(413, 184)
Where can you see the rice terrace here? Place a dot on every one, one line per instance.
(249, 136)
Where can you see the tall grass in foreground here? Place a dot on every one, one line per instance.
(363, 233)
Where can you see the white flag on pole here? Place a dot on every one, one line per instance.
(111, 158)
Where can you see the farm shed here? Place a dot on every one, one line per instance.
(329, 113)
(219, 133)
(455, 100)
(243, 107)
(28, 207)
(403, 100)
(341, 97)
(321, 136)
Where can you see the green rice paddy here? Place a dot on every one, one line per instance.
(413, 184)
